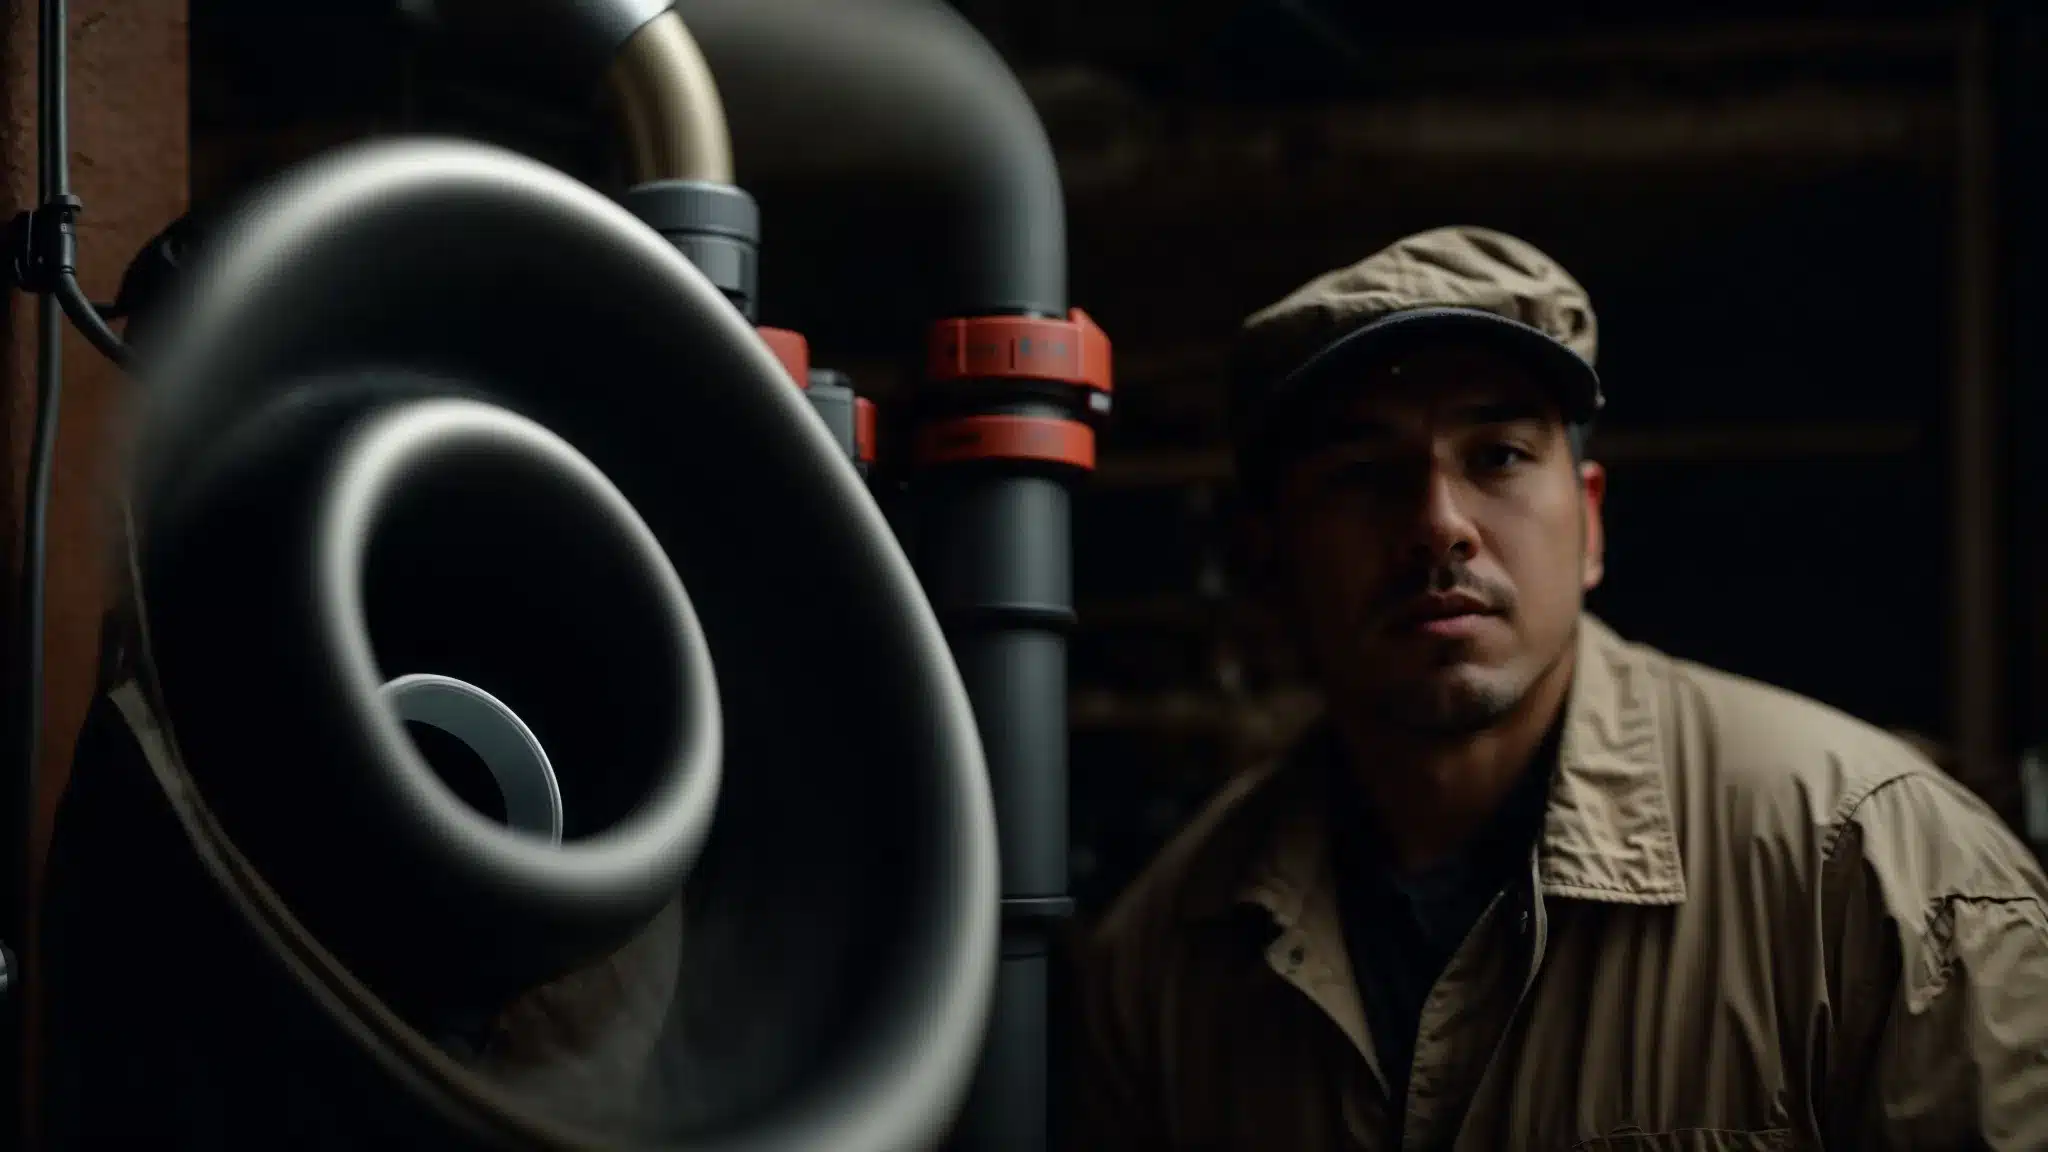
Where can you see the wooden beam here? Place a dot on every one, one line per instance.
(1805, 43)
(1801, 124)
(2020, 93)
(1110, 143)
(1978, 643)
(1699, 444)
(1266, 716)
(1168, 39)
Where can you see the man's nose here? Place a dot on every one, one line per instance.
(1442, 529)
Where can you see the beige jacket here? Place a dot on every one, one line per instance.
(1751, 922)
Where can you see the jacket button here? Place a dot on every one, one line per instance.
(1296, 955)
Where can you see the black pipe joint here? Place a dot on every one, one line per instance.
(717, 226)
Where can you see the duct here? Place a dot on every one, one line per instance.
(828, 991)
(668, 106)
(904, 178)
(566, 46)
(897, 162)
(901, 170)
(665, 99)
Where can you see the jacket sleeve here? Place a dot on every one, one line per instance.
(1941, 957)
(1113, 1094)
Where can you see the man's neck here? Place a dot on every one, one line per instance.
(1431, 795)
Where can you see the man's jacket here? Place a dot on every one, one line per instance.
(1750, 922)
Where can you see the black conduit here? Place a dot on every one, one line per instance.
(550, 50)
(902, 173)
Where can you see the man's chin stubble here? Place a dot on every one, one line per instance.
(1450, 710)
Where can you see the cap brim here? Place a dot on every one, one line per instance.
(1575, 382)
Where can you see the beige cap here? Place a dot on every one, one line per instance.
(1447, 283)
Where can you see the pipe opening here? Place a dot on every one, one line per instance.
(516, 605)
(482, 750)
(462, 768)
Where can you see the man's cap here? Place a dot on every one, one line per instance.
(1458, 284)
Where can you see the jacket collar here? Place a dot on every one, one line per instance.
(1609, 834)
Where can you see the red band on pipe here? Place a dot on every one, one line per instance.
(1070, 351)
(864, 429)
(1046, 439)
(793, 350)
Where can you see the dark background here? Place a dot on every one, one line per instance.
(1806, 228)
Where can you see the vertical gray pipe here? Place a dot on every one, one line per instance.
(993, 552)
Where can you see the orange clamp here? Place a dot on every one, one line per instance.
(864, 429)
(793, 350)
(1071, 351)
(1044, 439)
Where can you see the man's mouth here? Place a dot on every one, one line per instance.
(1447, 615)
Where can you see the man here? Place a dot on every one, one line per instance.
(1532, 886)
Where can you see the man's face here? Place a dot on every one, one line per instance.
(1435, 549)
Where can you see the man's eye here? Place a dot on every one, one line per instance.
(1499, 457)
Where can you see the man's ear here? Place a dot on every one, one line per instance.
(1593, 558)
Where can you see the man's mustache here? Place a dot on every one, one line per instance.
(1453, 577)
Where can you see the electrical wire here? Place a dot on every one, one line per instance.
(27, 698)
(86, 315)
(54, 175)
(66, 298)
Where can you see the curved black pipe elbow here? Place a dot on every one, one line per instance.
(578, 40)
(902, 173)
